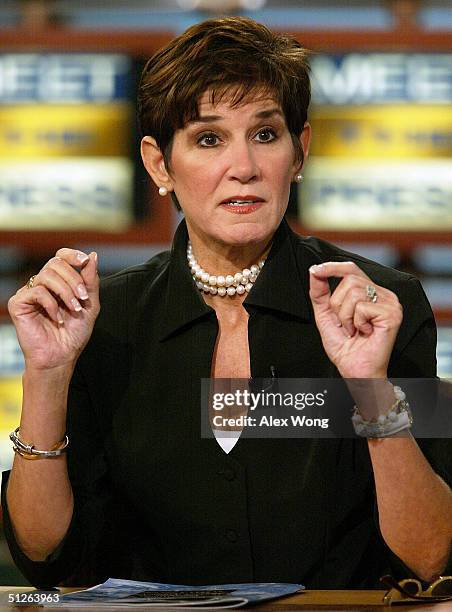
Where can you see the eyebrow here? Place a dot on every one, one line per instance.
(264, 114)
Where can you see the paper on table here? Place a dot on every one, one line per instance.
(128, 593)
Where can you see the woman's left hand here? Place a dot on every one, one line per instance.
(358, 334)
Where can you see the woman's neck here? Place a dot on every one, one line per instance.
(225, 259)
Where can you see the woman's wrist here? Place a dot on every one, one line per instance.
(44, 376)
(44, 407)
(45, 391)
(372, 396)
(381, 415)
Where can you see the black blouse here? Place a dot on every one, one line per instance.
(154, 501)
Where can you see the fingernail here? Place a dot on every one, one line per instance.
(76, 304)
(60, 317)
(81, 290)
(339, 324)
(313, 269)
(82, 257)
(347, 333)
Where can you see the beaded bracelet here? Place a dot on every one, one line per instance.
(28, 451)
(397, 418)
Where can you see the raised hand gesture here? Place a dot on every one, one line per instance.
(54, 313)
(358, 323)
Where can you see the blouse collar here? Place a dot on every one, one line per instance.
(281, 286)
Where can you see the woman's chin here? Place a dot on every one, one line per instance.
(247, 233)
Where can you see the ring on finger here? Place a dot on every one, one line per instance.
(30, 282)
(371, 294)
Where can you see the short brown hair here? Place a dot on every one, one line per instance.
(231, 57)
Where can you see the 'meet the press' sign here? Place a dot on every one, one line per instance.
(65, 141)
(381, 155)
(382, 78)
(63, 78)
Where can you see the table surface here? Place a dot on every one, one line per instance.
(312, 600)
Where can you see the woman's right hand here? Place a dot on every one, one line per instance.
(54, 318)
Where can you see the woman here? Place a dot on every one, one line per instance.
(223, 110)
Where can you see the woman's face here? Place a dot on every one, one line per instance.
(231, 171)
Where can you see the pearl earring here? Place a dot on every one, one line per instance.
(163, 191)
(298, 178)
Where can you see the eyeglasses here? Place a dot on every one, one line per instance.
(410, 590)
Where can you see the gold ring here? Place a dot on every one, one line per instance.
(31, 281)
(371, 294)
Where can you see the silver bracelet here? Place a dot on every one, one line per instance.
(28, 451)
(396, 419)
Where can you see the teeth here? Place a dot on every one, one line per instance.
(240, 202)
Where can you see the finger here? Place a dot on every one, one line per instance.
(339, 269)
(361, 323)
(320, 294)
(41, 297)
(348, 284)
(68, 274)
(368, 315)
(345, 306)
(356, 286)
(73, 257)
(319, 289)
(54, 282)
(355, 283)
(90, 277)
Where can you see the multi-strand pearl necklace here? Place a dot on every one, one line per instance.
(223, 285)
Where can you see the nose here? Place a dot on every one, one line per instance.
(243, 165)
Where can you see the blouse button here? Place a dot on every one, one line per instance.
(231, 535)
(229, 474)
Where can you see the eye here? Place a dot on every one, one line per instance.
(265, 135)
(208, 139)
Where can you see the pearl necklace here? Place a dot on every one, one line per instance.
(223, 285)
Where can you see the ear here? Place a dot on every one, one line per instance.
(305, 140)
(154, 163)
